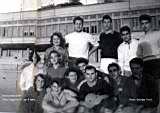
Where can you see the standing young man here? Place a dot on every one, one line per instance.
(109, 42)
(149, 49)
(127, 50)
(79, 42)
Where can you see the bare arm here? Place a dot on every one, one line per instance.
(72, 102)
(70, 105)
(48, 107)
(93, 50)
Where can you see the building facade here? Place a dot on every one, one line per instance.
(20, 31)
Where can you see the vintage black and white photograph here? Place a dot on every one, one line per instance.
(79, 56)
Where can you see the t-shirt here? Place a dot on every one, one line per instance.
(79, 44)
(61, 100)
(100, 88)
(109, 44)
(149, 46)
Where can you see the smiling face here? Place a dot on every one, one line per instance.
(72, 76)
(39, 83)
(126, 36)
(56, 40)
(54, 59)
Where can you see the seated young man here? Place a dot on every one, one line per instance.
(58, 99)
(81, 64)
(93, 92)
(144, 90)
(122, 88)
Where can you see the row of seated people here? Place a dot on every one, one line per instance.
(84, 89)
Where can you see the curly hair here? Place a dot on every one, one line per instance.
(59, 35)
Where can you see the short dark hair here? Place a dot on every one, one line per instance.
(106, 17)
(59, 35)
(35, 79)
(31, 56)
(81, 60)
(114, 65)
(136, 60)
(54, 51)
(125, 28)
(89, 67)
(73, 69)
(145, 17)
(78, 18)
(60, 82)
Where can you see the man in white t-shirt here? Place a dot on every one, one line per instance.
(79, 42)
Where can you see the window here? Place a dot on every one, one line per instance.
(86, 29)
(94, 29)
(135, 24)
(92, 16)
(3, 31)
(69, 18)
(15, 31)
(31, 30)
(49, 30)
(9, 31)
(26, 31)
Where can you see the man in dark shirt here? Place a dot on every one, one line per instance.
(144, 88)
(109, 42)
(93, 92)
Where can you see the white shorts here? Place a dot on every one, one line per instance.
(105, 62)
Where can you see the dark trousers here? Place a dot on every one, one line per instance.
(152, 67)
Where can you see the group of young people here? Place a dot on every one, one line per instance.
(127, 81)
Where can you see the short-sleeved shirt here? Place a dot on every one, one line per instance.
(79, 44)
(60, 100)
(149, 46)
(109, 44)
(100, 88)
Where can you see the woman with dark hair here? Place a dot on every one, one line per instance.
(58, 99)
(57, 44)
(32, 99)
(28, 73)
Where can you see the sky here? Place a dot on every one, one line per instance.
(15, 5)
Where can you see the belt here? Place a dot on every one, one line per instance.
(152, 57)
